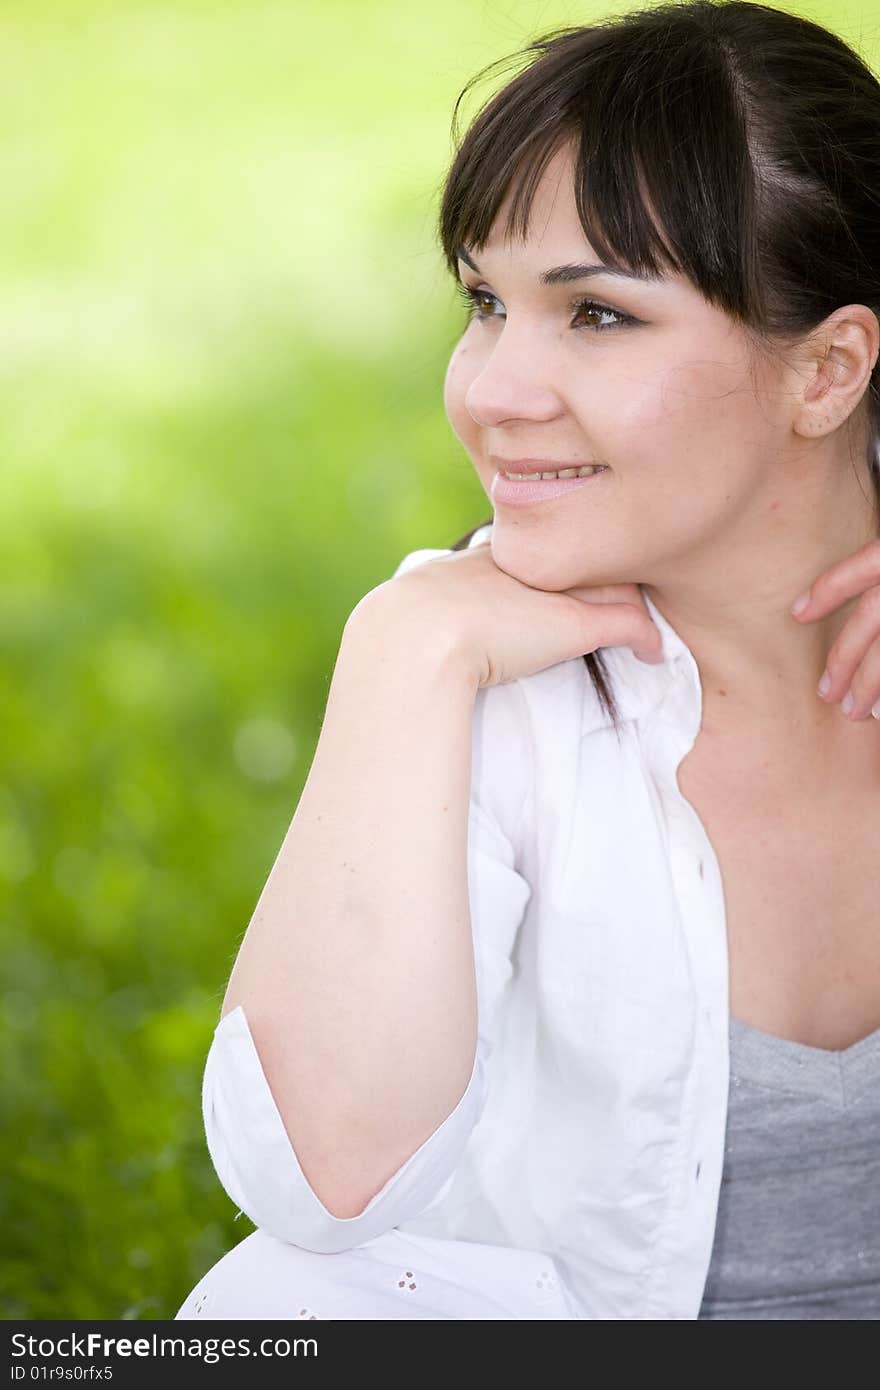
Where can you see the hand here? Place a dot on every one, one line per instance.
(853, 663)
(501, 629)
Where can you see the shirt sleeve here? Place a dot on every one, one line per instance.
(247, 1141)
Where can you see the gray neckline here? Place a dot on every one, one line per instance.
(780, 1064)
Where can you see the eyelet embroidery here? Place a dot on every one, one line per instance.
(402, 1284)
(546, 1286)
(307, 1313)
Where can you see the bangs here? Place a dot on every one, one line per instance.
(645, 124)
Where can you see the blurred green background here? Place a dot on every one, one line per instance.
(224, 333)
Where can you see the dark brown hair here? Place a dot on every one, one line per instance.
(733, 142)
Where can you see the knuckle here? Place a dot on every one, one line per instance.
(869, 602)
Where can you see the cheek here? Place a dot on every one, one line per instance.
(460, 373)
(687, 403)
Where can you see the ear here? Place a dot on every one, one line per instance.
(838, 358)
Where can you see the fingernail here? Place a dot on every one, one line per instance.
(876, 710)
(847, 702)
(824, 685)
(800, 603)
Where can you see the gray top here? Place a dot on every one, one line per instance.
(798, 1228)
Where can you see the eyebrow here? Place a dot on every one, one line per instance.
(563, 274)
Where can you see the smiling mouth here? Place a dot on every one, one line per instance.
(531, 489)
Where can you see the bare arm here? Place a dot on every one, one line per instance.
(356, 973)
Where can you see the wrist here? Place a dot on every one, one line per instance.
(387, 626)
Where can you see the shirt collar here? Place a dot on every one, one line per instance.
(640, 687)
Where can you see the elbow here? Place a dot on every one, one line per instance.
(342, 1192)
(272, 1190)
(326, 1209)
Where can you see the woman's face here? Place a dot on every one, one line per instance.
(668, 398)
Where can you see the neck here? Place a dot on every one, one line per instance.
(731, 603)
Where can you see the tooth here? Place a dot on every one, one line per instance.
(587, 471)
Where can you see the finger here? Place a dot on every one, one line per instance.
(865, 687)
(647, 640)
(609, 593)
(842, 581)
(852, 657)
(628, 625)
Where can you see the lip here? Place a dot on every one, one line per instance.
(532, 465)
(528, 492)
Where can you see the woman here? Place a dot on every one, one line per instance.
(562, 997)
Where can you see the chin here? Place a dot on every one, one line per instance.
(534, 562)
(530, 564)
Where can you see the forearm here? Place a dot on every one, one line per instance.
(356, 972)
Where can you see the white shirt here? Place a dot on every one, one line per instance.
(593, 1124)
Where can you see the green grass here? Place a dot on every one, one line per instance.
(225, 331)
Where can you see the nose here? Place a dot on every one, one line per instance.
(512, 383)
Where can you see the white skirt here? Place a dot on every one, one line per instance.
(396, 1275)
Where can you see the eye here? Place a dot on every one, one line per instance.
(476, 300)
